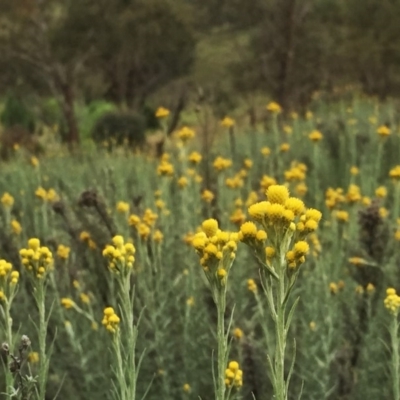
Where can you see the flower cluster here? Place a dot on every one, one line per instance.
(216, 249)
(383, 131)
(122, 207)
(220, 163)
(285, 224)
(274, 107)
(8, 280)
(144, 225)
(333, 197)
(296, 172)
(47, 195)
(233, 375)
(394, 173)
(186, 134)
(120, 255)
(110, 320)
(16, 227)
(315, 136)
(195, 157)
(227, 122)
(7, 200)
(38, 260)
(392, 301)
(63, 251)
(162, 112)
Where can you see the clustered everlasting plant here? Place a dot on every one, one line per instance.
(280, 247)
(216, 249)
(120, 257)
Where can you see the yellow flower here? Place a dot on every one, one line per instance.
(182, 182)
(248, 231)
(190, 301)
(7, 200)
(274, 107)
(342, 216)
(110, 320)
(383, 131)
(158, 236)
(165, 169)
(210, 227)
(195, 157)
(186, 388)
(251, 285)
(133, 220)
(370, 288)
(33, 357)
(221, 163)
(207, 196)
(67, 302)
(265, 151)
(333, 287)
(84, 236)
(284, 147)
(315, 136)
(16, 227)
(84, 298)
(381, 192)
(63, 251)
(394, 173)
(277, 194)
(227, 122)
(162, 112)
(354, 170)
(309, 115)
(122, 207)
(34, 161)
(185, 134)
(313, 326)
(237, 333)
(392, 301)
(234, 375)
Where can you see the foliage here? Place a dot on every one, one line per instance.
(119, 128)
(16, 113)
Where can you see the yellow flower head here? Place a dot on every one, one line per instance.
(383, 131)
(162, 112)
(274, 107)
(315, 136)
(227, 122)
(277, 194)
(63, 251)
(7, 200)
(195, 157)
(207, 196)
(210, 227)
(265, 151)
(122, 207)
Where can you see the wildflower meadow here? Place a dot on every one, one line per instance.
(260, 262)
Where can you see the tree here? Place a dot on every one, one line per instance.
(51, 40)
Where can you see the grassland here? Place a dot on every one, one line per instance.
(345, 337)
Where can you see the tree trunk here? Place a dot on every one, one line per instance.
(68, 98)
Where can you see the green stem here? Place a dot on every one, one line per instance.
(395, 357)
(222, 347)
(123, 393)
(42, 340)
(127, 310)
(9, 340)
(280, 385)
